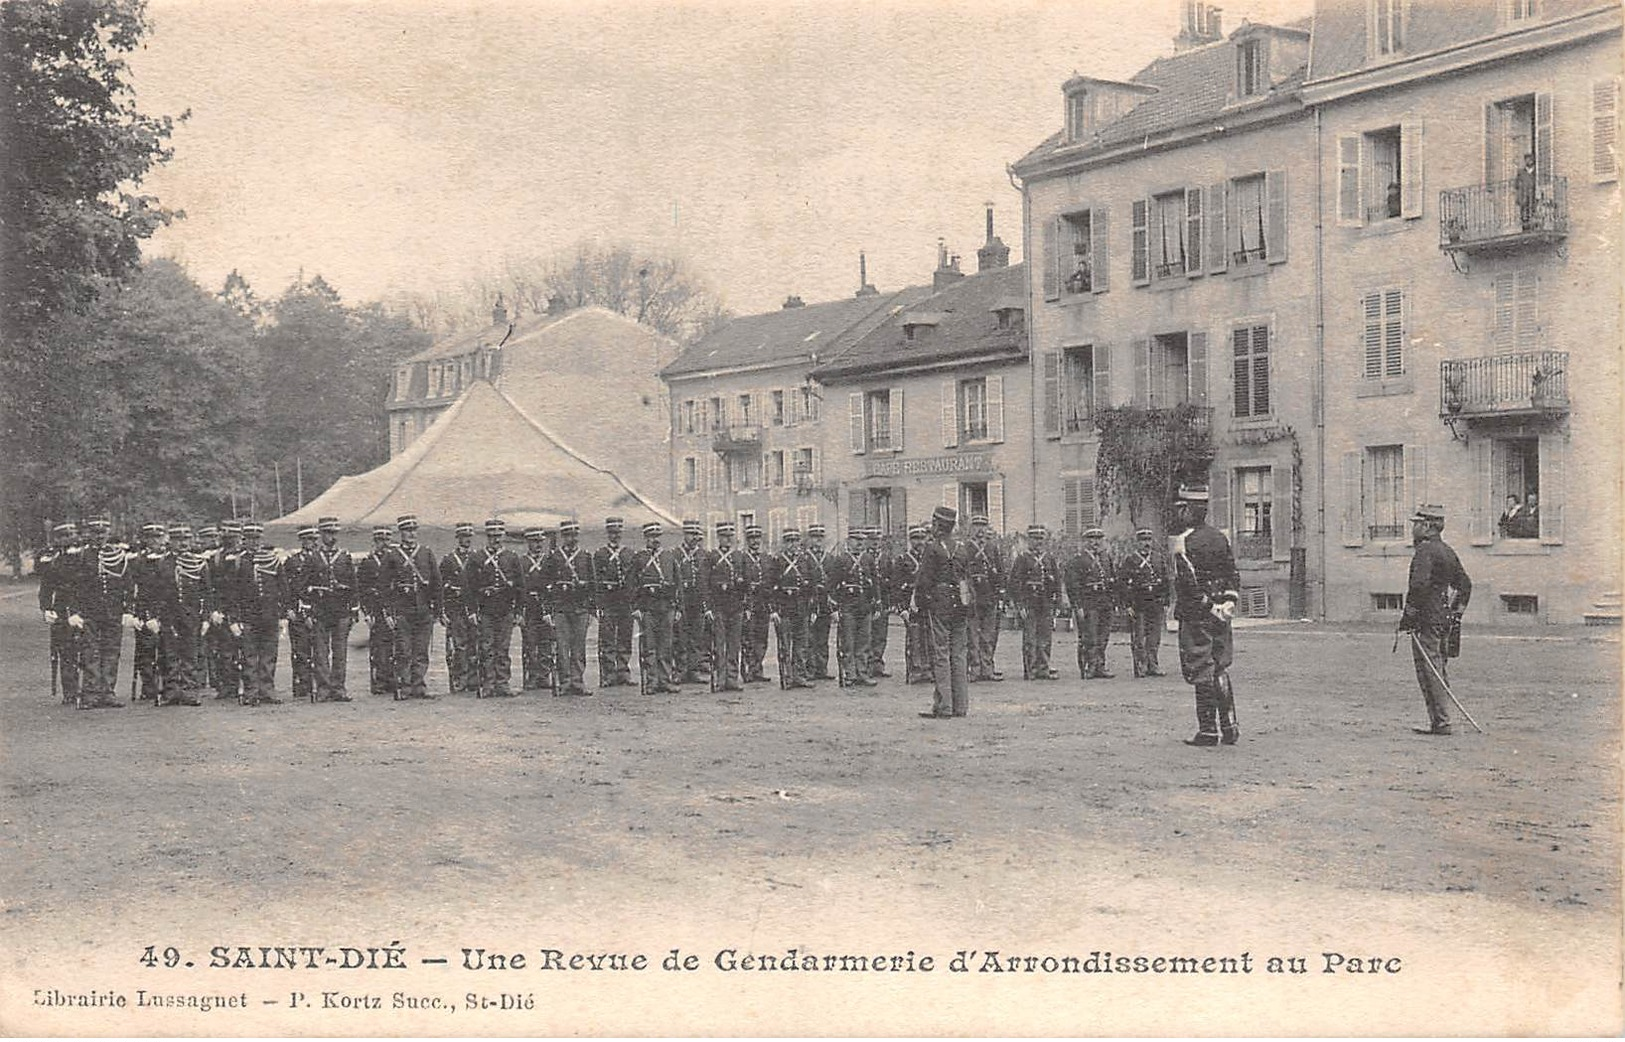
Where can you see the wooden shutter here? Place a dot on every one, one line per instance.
(857, 436)
(817, 466)
(1102, 358)
(1088, 506)
(1504, 320)
(1526, 309)
(1140, 393)
(1371, 336)
(1281, 512)
(1221, 217)
(899, 510)
(1070, 506)
(1194, 219)
(995, 408)
(1100, 268)
(1544, 119)
(1140, 258)
(1241, 372)
(792, 406)
(896, 399)
(1481, 509)
(1053, 239)
(995, 506)
(1605, 129)
(1393, 332)
(950, 413)
(1275, 202)
(1156, 236)
(1348, 180)
(1196, 366)
(1416, 477)
(1553, 457)
(1218, 507)
(1353, 502)
(1052, 394)
(1410, 163)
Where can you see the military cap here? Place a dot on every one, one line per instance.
(1193, 493)
(874, 532)
(1428, 512)
(100, 523)
(947, 515)
(180, 529)
(463, 528)
(231, 526)
(692, 527)
(252, 528)
(569, 524)
(153, 528)
(753, 529)
(495, 526)
(1094, 533)
(208, 531)
(791, 535)
(406, 521)
(327, 524)
(1037, 532)
(979, 520)
(382, 532)
(1144, 533)
(653, 528)
(815, 529)
(918, 531)
(614, 524)
(535, 532)
(309, 532)
(65, 528)
(726, 528)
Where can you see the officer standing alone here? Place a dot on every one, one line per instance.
(1437, 593)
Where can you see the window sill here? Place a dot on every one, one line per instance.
(1389, 226)
(1518, 548)
(1386, 387)
(1263, 421)
(1250, 270)
(1386, 548)
(1171, 282)
(1069, 299)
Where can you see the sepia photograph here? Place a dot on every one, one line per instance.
(743, 518)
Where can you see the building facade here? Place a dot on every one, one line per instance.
(1471, 256)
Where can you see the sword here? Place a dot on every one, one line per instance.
(1443, 682)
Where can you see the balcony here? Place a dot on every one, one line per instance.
(1492, 217)
(1526, 383)
(739, 437)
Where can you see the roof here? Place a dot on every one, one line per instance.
(464, 341)
(966, 325)
(809, 333)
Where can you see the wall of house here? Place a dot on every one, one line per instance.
(1535, 296)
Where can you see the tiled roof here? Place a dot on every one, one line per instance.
(1431, 25)
(461, 343)
(785, 335)
(966, 325)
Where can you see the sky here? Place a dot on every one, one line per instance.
(410, 145)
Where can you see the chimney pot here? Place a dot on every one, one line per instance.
(499, 312)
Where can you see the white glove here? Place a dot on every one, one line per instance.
(1224, 611)
(76, 621)
(153, 626)
(50, 616)
(204, 632)
(217, 618)
(282, 627)
(236, 629)
(128, 620)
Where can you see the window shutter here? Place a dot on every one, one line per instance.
(1416, 477)
(899, 510)
(1410, 162)
(857, 500)
(1553, 456)
(1281, 512)
(817, 467)
(1140, 395)
(1140, 261)
(1241, 374)
(995, 506)
(1156, 238)
(1088, 506)
(1218, 513)
(1605, 129)
(1100, 268)
(1275, 200)
(857, 436)
(1052, 394)
(1495, 164)
(1221, 217)
(1481, 511)
(792, 406)
(1348, 180)
(1102, 353)
(1393, 333)
(1353, 505)
(1194, 218)
(1526, 304)
(950, 413)
(1371, 336)
(1070, 506)
(995, 408)
(1196, 366)
(776, 519)
(1503, 325)
(896, 398)
(1544, 119)
(1053, 240)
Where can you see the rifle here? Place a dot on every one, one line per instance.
(783, 650)
(558, 663)
(842, 658)
(55, 665)
(718, 666)
(640, 637)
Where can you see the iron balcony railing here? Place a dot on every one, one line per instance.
(1501, 385)
(737, 437)
(1503, 213)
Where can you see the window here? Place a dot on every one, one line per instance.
(747, 411)
(876, 420)
(746, 519)
(877, 409)
(403, 382)
(973, 500)
(1386, 513)
(1080, 114)
(1520, 604)
(809, 402)
(1382, 200)
(1383, 337)
(1078, 251)
(1515, 321)
(1386, 27)
(1520, 10)
(1605, 129)
(746, 472)
(776, 409)
(1380, 175)
(1251, 346)
(685, 417)
(1387, 602)
(1169, 244)
(1078, 508)
(775, 467)
(1249, 237)
(1071, 389)
(719, 415)
(1254, 534)
(804, 464)
(1252, 68)
(1011, 318)
(973, 410)
(1166, 381)
(690, 474)
(1516, 486)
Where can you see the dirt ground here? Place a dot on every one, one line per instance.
(1479, 873)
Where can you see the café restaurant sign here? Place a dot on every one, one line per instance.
(966, 463)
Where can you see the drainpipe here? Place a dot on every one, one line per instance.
(1035, 408)
(1319, 394)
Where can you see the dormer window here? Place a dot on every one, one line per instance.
(1385, 24)
(1520, 10)
(917, 325)
(1080, 114)
(1252, 67)
(1011, 318)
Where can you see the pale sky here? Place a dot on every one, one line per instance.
(411, 145)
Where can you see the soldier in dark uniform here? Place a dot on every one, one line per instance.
(1438, 591)
(900, 591)
(571, 584)
(1090, 578)
(331, 590)
(654, 578)
(1035, 584)
(1142, 583)
(538, 644)
(380, 626)
(942, 593)
(731, 576)
(849, 572)
(257, 606)
(753, 628)
(149, 558)
(498, 584)
(880, 607)
(224, 646)
(462, 623)
(410, 582)
(610, 564)
(183, 612)
(790, 598)
(1205, 586)
(692, 650)
(55, 568)
(814, 565)
(300, 569)
(100, 601)
(987, 575)
(207, 544)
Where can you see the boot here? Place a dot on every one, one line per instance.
(1228, 724)
(1207, 727)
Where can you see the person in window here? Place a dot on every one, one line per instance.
(1393, 199)
(1080, 281)
(1523, 188)
(1511, 521)
(1531, 517)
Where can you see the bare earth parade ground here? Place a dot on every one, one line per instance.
(1056, 862)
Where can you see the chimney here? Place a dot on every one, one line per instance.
(947, 272)
(864, 289)
(499, 312)
(1199, 26)
(994, 253)
(792, 301)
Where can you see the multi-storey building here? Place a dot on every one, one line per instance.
(1470, 210)
(746, 421)
(1170, 230)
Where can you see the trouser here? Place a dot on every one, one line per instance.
(984, 638)
(753, 640)
(227, 652)
(916, 649)
(299, 657)
(261, 642)
(1037, 637)
(381, 656)
(414, 630)
(1428, 641)
(147, 666)
(538, 645)
(570, 628)
(815, 660)
(1094, 631)
(791, 636)
(330, 655)
(879, 631)
(853, 659)
(657, 647)
(495, 643)
(180, 645)
(950, 651)
(1145, 635)
(615, 644)
(65, 648)
(691, 640)
(462, 658)
(1205, 653)
(730, 631)
(100, 645)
